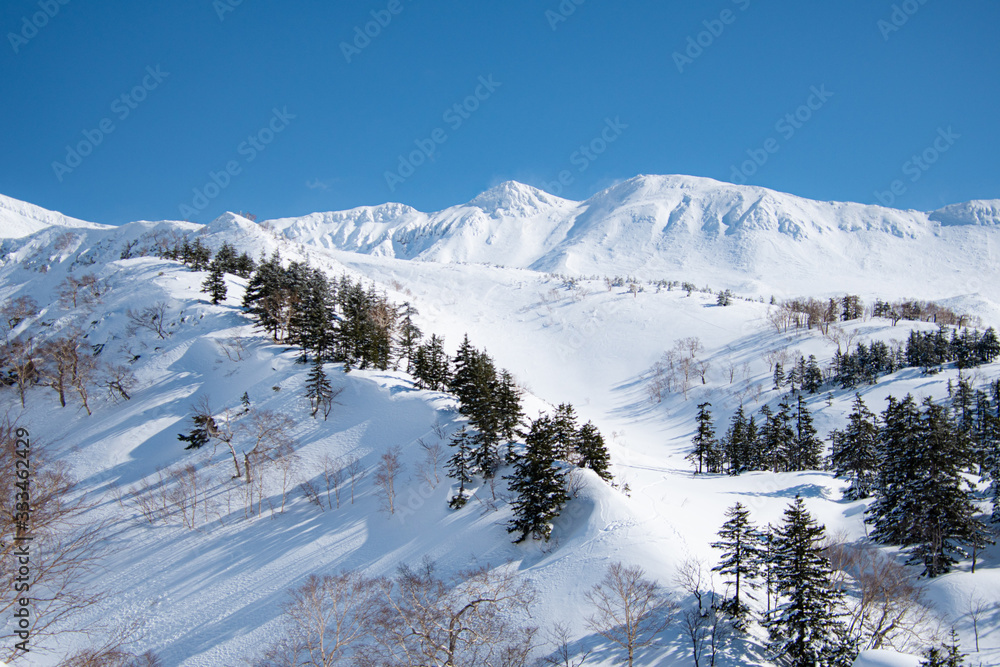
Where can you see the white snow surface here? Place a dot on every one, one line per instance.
(18, 219)
(211, 596)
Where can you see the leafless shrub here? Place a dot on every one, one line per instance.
(152, 318)
(233, 347)
(558, 635)
(886, 604)
(430, 467)
(312, 494)
(120, 381)
(631, 610)
(327, 620)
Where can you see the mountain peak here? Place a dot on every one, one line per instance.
(513, 198)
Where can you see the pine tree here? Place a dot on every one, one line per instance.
(705, 454)
(813, 378)
(735, 448)
(508, 411)
(460, 465)
(899, 446)
(409, 335)
(215, 283)
(539, 483)
(783, 448)
(318, 390)
(742, 558)
(948, 655)
(855, 451)
(592, 452)
(807, 449)
(566, 433)
(198, 436)
(804, 628)
(430, 365)
(944, 522)
(779, 376)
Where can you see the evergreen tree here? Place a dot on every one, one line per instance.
(804, 628)
(899, 449)
(592, 452)
(409, 335)
(736, 449)
(742, 558)
(566, 433)
(430, 365)
(944, 522)
(461, 466)
(948, 655)
(783, 449)
(813, 378)
(807, 449)
(989, 347)
(197, 437)
(855, 451)
(215, 283)
(779, 376)
(539, 484)
(318, 389)
(705, 454)
(508, 411)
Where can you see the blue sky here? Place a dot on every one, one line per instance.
(117, 111)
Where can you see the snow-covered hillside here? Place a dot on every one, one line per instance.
(207, 590)
(18, 218)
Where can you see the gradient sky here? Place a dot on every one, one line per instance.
(898, 80)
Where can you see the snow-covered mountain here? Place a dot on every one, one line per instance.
(211, 593)
(747, 238)
(18, 218)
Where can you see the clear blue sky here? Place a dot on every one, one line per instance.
(224, 68)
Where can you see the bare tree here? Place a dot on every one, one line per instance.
(287, 461)
(333, 475)
(558, 635)
(388, 469)
(14, 311)
(704, 625)
(975, 608)
(63, 550)
(24, 361)
(233, 347)
(631, 610)
(430, 467)
(153, 318)
(457, 622)
(120, 381)
(886, 608)
(355, 471)
(326, 621)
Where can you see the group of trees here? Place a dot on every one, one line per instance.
(198, 257)
(912, 461)
(419, 617)
(804, 376)
(783, 441)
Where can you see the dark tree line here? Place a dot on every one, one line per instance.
(926, 350)
(782, 441)
(912, 460)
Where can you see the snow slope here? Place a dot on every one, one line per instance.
(212, 595)
(18, 218)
